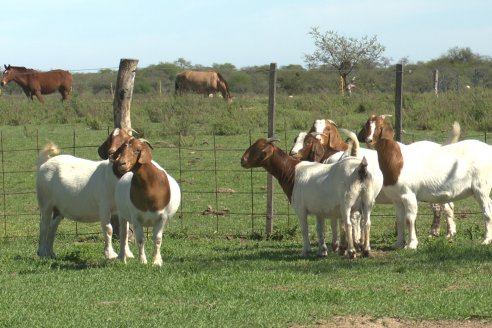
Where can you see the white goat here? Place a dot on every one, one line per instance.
(442, 174)
(320, 189)
(377, 128)
(76, 188)
(145, 196)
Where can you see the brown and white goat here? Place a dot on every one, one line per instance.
(324, 190)
(329, 141)
(443, 174)
(146, 196)
(376, 128)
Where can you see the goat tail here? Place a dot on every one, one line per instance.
(353, 143)
(47, 152)
(454, 134)
(363, 171)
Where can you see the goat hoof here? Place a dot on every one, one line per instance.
(352, 254)
(366, 253)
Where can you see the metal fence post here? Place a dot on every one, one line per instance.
(272, 93)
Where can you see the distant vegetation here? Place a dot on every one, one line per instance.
(465, 94)
(459, 69)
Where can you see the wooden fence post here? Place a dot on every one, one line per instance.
(398, 102)
(436, 82)
(121, 108)
(272, 94)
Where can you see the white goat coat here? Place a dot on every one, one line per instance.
(372, 166)
(331, 190)
(80, 189)
(443, 174)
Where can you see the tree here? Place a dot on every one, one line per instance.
(343, 53)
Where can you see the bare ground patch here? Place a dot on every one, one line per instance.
(369, 322)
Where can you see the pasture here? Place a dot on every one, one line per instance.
(219, 270)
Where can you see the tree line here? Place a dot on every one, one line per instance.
(459, 68)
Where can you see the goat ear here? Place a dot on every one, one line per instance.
(318, 151)
(102, 150)
(145, 154)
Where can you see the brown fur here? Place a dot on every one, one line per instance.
(383, 130)
(113, 142)
(329, 143)
(274, 160)
(35, 83)
(150, 190)
(203, 82)
(390, 162)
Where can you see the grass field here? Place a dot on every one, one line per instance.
(220, 271)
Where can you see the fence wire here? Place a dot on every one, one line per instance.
(218, 196)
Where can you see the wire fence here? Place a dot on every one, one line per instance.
(219, 197)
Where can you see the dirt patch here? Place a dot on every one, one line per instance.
(368, 322)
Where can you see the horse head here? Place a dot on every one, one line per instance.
(6, 76)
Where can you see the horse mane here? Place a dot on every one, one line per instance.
(22, 68)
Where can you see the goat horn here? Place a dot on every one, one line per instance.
(332, 122)
(273, 139)
(147, 142)
(386, 115)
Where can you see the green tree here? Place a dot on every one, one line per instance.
(342, 53)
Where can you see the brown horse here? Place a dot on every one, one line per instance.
(204, 82)
(35, 83)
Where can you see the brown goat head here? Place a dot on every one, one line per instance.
(113, 142)
(132, 153)
(374, 129)
(257, 153)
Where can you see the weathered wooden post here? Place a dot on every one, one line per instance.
(436, 82)
(398, 102)
(272, 94)
(121, 107)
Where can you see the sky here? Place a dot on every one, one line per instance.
(88, 35)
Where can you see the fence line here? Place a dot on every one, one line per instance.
(229, 201)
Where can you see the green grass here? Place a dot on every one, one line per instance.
(240, 282)
(220, 270)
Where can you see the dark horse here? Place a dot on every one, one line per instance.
(35, 83)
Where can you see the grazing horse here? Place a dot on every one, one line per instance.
(204, 82)
(35, 83)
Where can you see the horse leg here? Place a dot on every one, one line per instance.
(39, 96)
(64, 93)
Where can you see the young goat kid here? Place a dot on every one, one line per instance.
(320, 189)
(76, 188)
(146, 196)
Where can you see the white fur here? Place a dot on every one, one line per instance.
(76, 188)
(298, 143)
(442, 174)
(332, 190)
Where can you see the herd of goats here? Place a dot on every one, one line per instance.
(321, 176)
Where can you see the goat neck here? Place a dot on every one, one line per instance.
(274, 160)
(390, 160)
(150, 190)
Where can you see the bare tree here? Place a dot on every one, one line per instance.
(343, 53)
